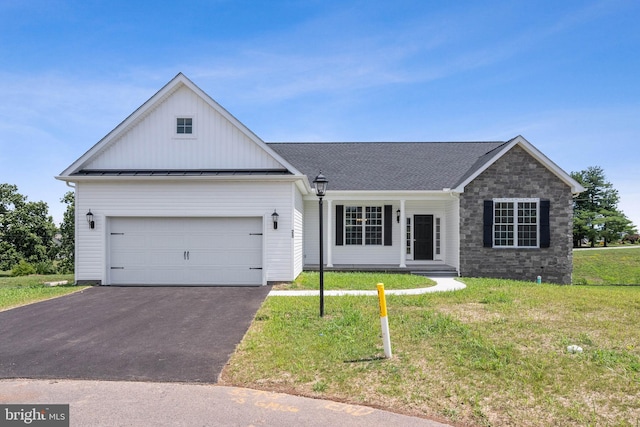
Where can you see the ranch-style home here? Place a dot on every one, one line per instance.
(182, 193)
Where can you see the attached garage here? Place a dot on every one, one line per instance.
(185, 251)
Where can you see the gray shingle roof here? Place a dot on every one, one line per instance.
(389, 165)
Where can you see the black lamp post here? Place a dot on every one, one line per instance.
(320, 186)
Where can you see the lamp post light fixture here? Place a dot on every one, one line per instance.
(92, 224)
(320, 187)
(274, 217)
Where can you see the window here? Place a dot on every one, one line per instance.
(357, 226)
(438, 236)
(373, 225)
(408, 236)
(353, 225)
(184, 125)
(515, 223)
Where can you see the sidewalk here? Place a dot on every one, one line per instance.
(443, 284)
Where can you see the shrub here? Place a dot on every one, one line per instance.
(23, 268)
(631, 238)
(44, 267)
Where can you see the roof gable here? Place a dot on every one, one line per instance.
(520, 141)
(147, 139)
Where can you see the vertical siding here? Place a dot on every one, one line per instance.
(182, 199)
(153, 144)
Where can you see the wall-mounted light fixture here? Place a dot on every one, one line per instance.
(398, 216)
(92, 224)
(274, 217)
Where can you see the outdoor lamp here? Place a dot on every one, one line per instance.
(398, 216)
(92, 224)
(320, 184)
(274, 217)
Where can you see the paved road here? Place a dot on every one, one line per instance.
(109, 403)
(183, 334)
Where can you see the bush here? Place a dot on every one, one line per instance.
(631, 238)
(23, 268)
(45, 267)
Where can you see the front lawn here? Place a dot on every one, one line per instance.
(309, 280)
(493, 354)
(15, 291)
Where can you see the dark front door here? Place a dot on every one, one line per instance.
(423, 237)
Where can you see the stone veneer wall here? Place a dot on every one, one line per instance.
(517, 175)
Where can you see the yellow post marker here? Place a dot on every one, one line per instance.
(384, 321)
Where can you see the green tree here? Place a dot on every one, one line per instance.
(67, 230)
(26, 229)
(595, 211)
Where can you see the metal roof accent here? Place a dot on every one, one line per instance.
(172, 172)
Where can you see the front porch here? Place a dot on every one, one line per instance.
(429, 270)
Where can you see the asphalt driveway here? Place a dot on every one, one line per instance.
(181, 334)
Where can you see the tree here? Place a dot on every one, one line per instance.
(67, 230)
(26, 229)
(595, 211)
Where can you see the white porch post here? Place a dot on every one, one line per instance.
(403, 237)
(329, 233)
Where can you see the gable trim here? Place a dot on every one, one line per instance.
(178, 81)
(535, 153)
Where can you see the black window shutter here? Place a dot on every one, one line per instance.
(339, 225)
(545, 228)
(388, 224)
(487, 234)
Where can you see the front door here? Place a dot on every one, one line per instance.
(423, 237)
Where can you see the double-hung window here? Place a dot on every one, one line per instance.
(515, 223)
(363, 229)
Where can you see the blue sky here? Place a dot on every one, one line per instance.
(564, 74)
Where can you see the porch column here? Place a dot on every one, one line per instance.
(329, 233)
(403, 236)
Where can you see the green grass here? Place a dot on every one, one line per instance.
(606, 266)
(493, 354)
(357, 281)
(16, 291)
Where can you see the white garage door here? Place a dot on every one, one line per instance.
(185, 251)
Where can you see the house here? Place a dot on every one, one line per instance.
(182, 193)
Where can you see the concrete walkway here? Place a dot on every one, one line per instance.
(443, 284)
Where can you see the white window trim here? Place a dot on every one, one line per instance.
(194, 126)
(515, 201)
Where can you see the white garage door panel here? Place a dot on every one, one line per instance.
(186, 251)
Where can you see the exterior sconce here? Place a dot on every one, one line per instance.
(274, 217)
(92, 224)
(398, 216)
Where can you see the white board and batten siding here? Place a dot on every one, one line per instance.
(173, 200)
(152, 142)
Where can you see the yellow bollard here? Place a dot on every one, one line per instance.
(384, 321)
